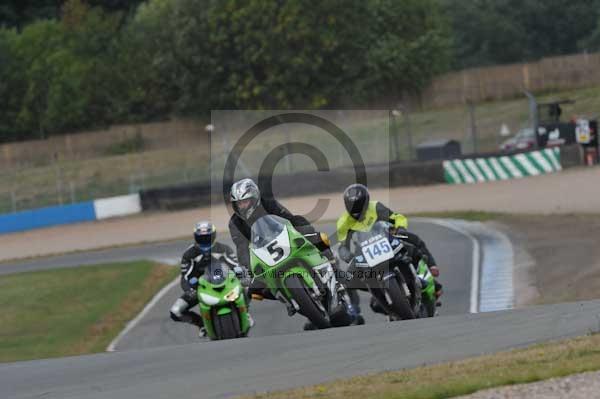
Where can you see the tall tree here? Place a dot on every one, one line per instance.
(409, 44)
(18, 13)
(11, 85)
(503, 31)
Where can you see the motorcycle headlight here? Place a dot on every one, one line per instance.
(208, 299)
(234, 294)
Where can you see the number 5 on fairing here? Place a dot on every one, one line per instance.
(276, 252)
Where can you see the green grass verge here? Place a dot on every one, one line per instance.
(73, 311)
(474, 216)
(446, 380)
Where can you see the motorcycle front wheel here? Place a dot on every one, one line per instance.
(299, 292)
(227, 326)
(400, 304)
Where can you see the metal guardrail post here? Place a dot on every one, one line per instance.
(13, 199)
(393, 131)
(533, 116)
(473, 126)
(407, 126)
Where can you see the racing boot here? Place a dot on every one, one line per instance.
(355, 303)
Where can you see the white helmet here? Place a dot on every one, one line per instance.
(245, 198)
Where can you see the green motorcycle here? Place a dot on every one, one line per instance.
(222, 303)
(296, 273)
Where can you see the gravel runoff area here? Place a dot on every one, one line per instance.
(557, 258)
(571, 191)
(579, 386)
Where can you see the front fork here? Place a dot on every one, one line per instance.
(335, 291)
(416, 297)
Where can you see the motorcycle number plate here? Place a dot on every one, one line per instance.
(378, 252)
(276, 251)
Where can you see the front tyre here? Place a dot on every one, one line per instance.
(400, 304)
(227, 326)
(299, 292)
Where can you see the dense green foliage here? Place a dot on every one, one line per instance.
(73, 64)
(93, 67)
(18, 13)
(491, 32)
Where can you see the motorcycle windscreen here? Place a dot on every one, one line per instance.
(373, 246)
(270, 240)
(216, 273)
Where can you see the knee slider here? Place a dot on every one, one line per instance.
(178, 308)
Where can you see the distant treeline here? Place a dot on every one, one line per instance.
(489, 32)
(74, 65)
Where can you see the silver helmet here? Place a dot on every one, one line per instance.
(245, 198)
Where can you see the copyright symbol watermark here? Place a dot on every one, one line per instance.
(298, 154)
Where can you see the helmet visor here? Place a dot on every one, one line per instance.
(245, 207)
(204, 240)
(357, 211)
(245, 204)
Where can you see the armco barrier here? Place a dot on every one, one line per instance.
(299, 184)
(478, 170)
(487, 167)
(44, 217)
(73, 213)
(493, 166)
(117, 206)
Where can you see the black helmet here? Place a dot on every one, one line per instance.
(205, 234)
(356, 200)
(245, 198)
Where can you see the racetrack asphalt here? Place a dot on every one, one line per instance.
(224, 369)
(278, 354)
(451, 249)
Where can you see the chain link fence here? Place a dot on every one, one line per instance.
(367, 130)
(83, 180)
(382, 136)
(479, 128)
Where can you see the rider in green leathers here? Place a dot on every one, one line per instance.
(360, 215)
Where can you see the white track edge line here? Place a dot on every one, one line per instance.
(474, 302)
(112, 346)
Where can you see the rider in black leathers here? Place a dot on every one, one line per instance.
(249, 206)
(194, 261)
